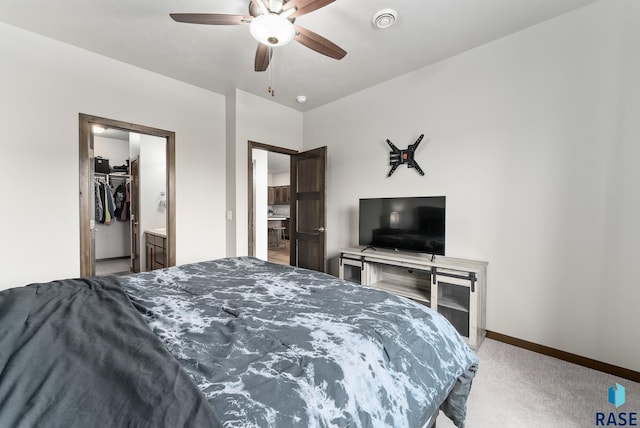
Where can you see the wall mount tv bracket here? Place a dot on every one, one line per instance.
(398, 157)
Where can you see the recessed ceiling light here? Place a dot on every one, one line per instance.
(384, 18)
(301, 99)
(98, 129)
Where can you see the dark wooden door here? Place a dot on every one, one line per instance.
(308, 209)
(135, 215)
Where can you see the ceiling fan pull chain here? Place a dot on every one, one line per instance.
(272, 89)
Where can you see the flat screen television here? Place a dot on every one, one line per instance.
(407, 224)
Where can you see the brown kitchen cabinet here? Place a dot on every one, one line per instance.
(278, 195)
(282, 195)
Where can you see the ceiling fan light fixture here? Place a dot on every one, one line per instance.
(272, 30)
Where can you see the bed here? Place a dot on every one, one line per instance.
(235, 342)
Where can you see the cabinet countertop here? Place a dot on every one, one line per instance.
(277, 218)
(161, 232)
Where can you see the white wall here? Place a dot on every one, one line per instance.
(45, 84)
(619, 292)
(261, 179)
(280, 178)
(260, 121)
(230, 168)
(533, 145)
(532, 138)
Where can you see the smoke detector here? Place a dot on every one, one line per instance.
(384, 18)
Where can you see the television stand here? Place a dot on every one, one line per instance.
(367, 248)
(456, 288)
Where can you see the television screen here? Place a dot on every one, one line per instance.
(410, 224)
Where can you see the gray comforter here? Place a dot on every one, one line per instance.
(75, 353)
(276, 346)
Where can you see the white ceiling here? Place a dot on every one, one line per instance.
(220, 58)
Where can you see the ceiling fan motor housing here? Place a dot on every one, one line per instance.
(274, 6)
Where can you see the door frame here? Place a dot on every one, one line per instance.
(274, 149)
(86, 172)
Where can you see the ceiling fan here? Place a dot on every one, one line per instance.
(271, 23)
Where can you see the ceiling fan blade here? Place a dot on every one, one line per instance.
(318, 43)
(305, 6)
(263, 56)
(210, 18)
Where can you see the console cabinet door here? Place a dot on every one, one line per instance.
(456, 301)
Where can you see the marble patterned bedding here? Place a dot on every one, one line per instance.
(277, 346)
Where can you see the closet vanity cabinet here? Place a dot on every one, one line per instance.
(156, 249)
(456, 288)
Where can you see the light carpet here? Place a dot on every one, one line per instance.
(517, 388)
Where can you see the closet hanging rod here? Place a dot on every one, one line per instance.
(104, 174)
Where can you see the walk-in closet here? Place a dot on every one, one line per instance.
(130, 197)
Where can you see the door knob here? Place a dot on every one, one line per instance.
(320, 229)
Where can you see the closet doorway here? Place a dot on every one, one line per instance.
(115, 239)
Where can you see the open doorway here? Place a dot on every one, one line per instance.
(130, 197)
(112, 195)
(278, 209)
(120, 159)
(306, 233)
(269, 203)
